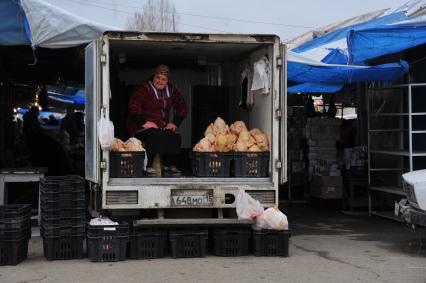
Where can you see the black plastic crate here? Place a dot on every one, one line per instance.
(62, 204)
(62, 195)
(48, 231)
(107, 248)
(61, 183)
(231, 242)
(13, 252)
(148, 244)
(188, 243)
(16, 234)
(108, 230)
(126, 164)
(15, 224)
(211, 164)
(63, 247)
(47, 220)
(63, 213)
(271, 242)
(251, 164)
(14, 211)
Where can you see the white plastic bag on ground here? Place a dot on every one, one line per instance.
(273, 219)
(102, 221)
(105, 130)
(248, 207)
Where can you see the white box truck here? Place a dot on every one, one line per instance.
(121, 59)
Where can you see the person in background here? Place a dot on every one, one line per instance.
(148, 116)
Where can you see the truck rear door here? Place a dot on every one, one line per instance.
(283, 120)
(93, 95)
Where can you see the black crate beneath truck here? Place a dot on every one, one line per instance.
(211, 164)
(188, 243)
(148, 244)
(251, 164)
(107, 248)
(231, 242)
(13, 252)
(271, 242)
(63, 247)
(126, 164)
(57, 184)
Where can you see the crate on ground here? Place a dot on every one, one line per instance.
(63, 213)
(63, 247)
(47, 231)
(62, 204)
(271, 242)
(59, 184)
(211, 164)
(107, 243)
(188, 243)
(14, 211)
(251, 164)
(231, 242)
(61, 195)
(16, 233)
(126, 164)
(52, 220)
(13, 252)
(145, 244)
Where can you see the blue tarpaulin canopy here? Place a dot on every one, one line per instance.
(382, 40)
(312, 87)
(13, 24)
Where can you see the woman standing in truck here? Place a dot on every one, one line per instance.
(149, 112)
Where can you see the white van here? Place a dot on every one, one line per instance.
(119, 60)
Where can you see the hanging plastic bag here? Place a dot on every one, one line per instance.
(261, 75)
(248, 207)
(273, 219)
(105, 130)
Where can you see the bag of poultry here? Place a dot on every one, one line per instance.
(105, 130)
(248, 207)
(273, 219)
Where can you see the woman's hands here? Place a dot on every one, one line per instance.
(149, 125)
(171, 126)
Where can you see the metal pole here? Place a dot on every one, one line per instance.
(410, 128)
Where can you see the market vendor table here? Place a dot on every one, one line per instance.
(18, 175)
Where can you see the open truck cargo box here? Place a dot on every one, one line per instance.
(204, 67)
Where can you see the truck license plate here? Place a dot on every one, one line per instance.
(191, 198)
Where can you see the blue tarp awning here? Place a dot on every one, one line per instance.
(313, 87)
(382, 40)
(13, 24)
(303, 70)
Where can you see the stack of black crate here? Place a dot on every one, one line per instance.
(15, 231)
(63, 216)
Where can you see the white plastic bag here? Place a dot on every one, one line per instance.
(105, 130)
(272, 218)
(248, 207)
(261, 75)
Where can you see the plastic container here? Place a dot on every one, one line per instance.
(126, 164)
(211, 164)
(251, 164)
(188, 243)
(48, 231)
(61, 195)
(231, 242)
(13, 252)
(62, 204)
(58, 184)
(63, 213)
(63, 247)
(16, 234)
(147, 244)
(12, 211)
(271, 242)
(107, 243)
(48, 220)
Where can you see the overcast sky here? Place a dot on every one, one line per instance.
(290, 17)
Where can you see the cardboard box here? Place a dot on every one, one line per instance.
(327, 187)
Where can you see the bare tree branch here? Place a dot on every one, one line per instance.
(157, 15)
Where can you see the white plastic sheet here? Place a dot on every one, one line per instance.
(53, 27)
(261, 75)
